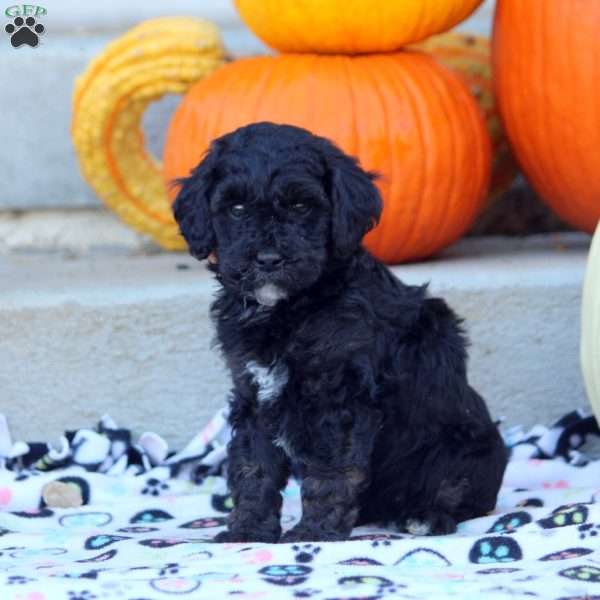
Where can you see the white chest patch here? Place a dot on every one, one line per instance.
(269, 380)
(282, 442)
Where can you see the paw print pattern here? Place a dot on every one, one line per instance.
(83, 595)
(18, 580)
(495, 550)
(381, 585)
(204, 523)
(24, 31)
(154, 515)
(533, 502)
(567, 554)
(306, 593)
(582, 573)
(510, 522)
(161, 542)
(382, 542)
(169, 569)
(588, 529)
(305, 553)
(378, 539)
(155, 487)
(284, 575)
(361, 561)
(563, 516)
(26, 474)
(222, 502)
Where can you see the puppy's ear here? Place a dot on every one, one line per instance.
(191, 208)
(356, 204)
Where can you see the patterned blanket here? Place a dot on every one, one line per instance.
(143, 530)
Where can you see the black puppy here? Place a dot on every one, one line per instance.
(337, 366)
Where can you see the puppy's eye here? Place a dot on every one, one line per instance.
(300, 207)
(237, 210)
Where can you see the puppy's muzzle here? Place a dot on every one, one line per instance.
(269, 260)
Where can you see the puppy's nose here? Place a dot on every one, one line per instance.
(269, 259)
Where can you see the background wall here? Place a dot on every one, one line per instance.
(37, 165)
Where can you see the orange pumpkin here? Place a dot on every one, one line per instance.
(350, 26)
(403, 115)
(469, 57)
(547, 74)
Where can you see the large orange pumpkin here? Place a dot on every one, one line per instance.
(403, 115)
(469, 57)
(350, 26)
(547, 75)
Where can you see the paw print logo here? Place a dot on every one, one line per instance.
(305, 553)
(155, 487)
(24, 31)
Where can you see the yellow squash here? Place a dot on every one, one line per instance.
(157, 57)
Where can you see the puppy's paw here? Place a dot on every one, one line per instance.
(417, 527)
(429, 522)
(246, 536)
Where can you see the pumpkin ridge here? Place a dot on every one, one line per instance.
(545, 116)
(441, 224)
(480, 160)
(409, 86)
(388, 172)
(357, 73)
(580, 149)
(269, 79)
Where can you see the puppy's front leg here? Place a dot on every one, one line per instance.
(329, 505)
(257, 472)
(333, 479)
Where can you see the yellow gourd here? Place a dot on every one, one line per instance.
(157, 57)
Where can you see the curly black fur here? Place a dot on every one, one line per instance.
(337, 366)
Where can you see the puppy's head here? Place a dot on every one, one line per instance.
(276, 205)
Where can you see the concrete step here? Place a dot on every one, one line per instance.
(130, 335)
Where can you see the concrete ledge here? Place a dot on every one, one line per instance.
(69, 232)
(131, 336)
